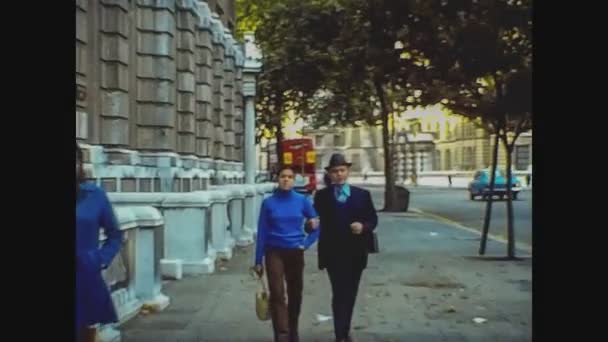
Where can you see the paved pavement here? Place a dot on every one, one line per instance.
(424, 286)
(455, 205)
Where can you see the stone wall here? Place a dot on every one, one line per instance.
(158, 95)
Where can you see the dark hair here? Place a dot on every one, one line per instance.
(327, 179)
(283, 168)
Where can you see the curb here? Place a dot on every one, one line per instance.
(425, 187)
(520, 245)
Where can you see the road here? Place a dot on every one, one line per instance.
(455, 205)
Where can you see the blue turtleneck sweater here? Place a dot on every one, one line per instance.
(281, 223)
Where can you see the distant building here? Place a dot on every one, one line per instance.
(440, 142)
(461, 145)
(361, 145)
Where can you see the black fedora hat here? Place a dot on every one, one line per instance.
(337, 159)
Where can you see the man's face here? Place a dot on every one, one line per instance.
(339, 174)
(286, 179)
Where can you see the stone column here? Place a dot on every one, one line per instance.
(229, 134)
(82, 62)
(114, 78)
(251, 68)
(156, 75)
(218, 87)
(250, 226)
(187, 19)
(148, 255)
(238, 104)
(249, 136)
(219, 224)
(204, 81)
(187, 232)
(235, 207)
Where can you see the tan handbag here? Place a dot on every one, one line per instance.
(262, 309)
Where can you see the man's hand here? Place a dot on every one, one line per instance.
(259, 270)
(356, 228)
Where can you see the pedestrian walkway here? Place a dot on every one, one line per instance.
(424, 286)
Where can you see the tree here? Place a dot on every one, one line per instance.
(482, 59)
(363, 74)
(289, 74)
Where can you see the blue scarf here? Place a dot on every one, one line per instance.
(342, 192)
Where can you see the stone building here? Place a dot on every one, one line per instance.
(361, 145)
(460, 145)
(159, 94)
(166, 118)
(432, 140)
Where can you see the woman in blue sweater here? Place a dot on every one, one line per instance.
(281, 242)
(93, 211)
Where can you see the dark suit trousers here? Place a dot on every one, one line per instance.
(344, 278)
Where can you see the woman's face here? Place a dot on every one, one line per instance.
(286, 179)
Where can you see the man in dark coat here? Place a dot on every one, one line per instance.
(348, 218)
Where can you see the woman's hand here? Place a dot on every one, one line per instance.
(259, 270)
(312, 223)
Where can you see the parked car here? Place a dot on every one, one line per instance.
(480, 185)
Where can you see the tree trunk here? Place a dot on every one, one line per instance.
(510, 226)
(390, 202)
(279, 137)
(488, 215)
(279, 134)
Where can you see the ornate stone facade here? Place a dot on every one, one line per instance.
(159, 103)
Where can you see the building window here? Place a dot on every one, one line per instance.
(467, 130)
(448, 160)
(473, 158)
(318, 140)
(356, 160)
(339, 139)
(319, 161)
(522, 157)
(469, 158)
(355, 137)
(437, 162)
(416, 127)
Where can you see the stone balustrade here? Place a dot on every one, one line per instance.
(201, 226)
(134, 275)
(172, 234)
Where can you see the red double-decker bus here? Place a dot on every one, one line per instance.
(300, 154)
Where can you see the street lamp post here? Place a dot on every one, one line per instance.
(252, 67)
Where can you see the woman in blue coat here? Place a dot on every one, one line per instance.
(281, 242)
(93, 211)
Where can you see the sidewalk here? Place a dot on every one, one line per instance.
(422, 287)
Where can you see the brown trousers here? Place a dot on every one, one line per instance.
(285, 266)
